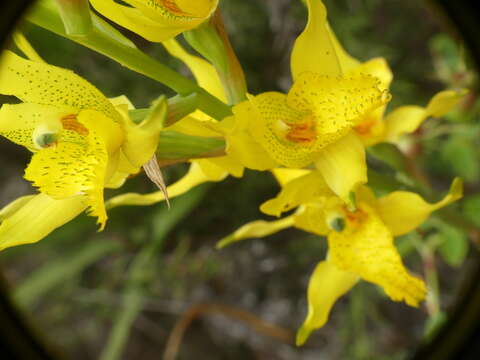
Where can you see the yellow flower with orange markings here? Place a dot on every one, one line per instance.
(81, 142)
(157, 20)
(360, 239)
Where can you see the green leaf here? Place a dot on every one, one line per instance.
(461, 156)
(454, 244)
(471, 208)
(434, 323)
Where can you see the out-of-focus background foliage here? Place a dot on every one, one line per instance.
(118, 294)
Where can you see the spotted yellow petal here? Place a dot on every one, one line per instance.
(365, 247)
(38, 217)
(327, 284)
(298, 191)
(403, 211)
(256, 229)
(157, 20)
(314, 50)
(76, 164)
(44, 84)
(27, 124)
(194, 177)
(343, 165)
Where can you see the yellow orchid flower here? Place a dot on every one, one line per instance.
(315, 121)
(157, 20)
(360, 240)
(81, 143)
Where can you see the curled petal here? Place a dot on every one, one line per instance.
(365, 247)
(256, 229)
(284, 175)
(327, 284)
(403, 211)
(157, 20)
(343, 165)
(407, 119)
(37, 217)
(298, 191)
(141, 140)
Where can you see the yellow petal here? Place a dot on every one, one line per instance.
(314, 50)
(284, 175)
(77, 162)
(157, 20)
(326, 285)
(312, 218)
(365, 247)
(24, 123)
(403, 211)
(194, 177)
(444, 101)
(403, 120)
(343, 165)
(15, 205)
(141, 140)
(202, 70)
(241, 145)
(407, 119)
(346, 61)
(40, 83)
(37, 218)
(226, 164)
(298, 191)
(256, 229)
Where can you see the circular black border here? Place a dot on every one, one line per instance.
(458, 339)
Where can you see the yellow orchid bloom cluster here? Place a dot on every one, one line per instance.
(313, 139)
(81, 142)
(360, 239)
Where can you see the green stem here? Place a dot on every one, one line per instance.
(76, 16)
(109, 42)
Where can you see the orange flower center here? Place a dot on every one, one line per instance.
(172, 6)
(69, 122)
(365, 127)
(302, 133)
